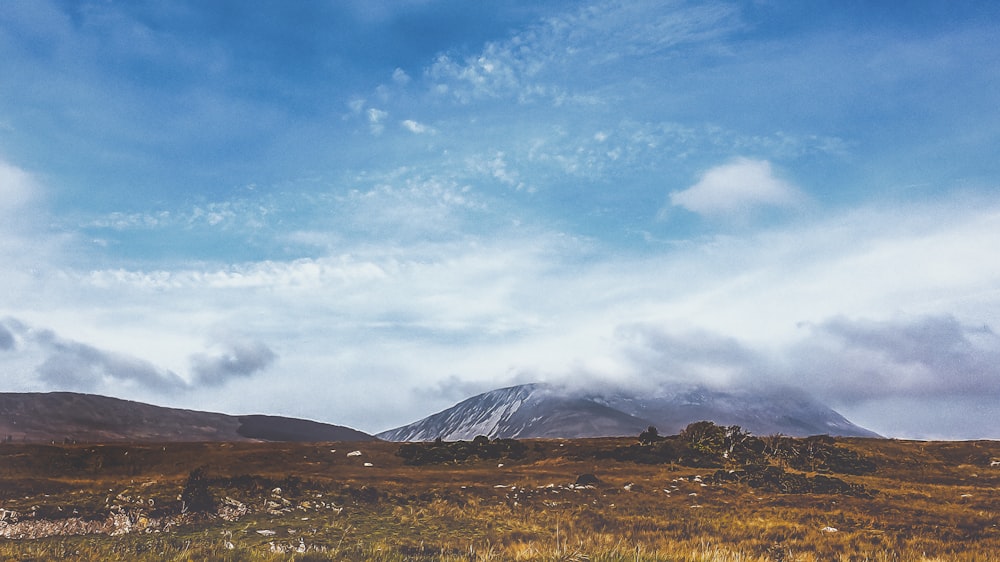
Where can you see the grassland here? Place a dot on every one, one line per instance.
(282, 501)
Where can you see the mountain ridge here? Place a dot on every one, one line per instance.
(545, 410)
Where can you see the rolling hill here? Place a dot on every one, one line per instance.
(74, 417)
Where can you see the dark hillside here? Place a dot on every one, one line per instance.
(68, 417)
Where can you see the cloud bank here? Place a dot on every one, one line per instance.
(48, 361)
(925, 357)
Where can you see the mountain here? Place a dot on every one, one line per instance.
(787, 411)
(69, 416)
(530, 410)
(542, 410)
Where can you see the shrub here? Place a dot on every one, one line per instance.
(196, 497)
(819, 453)
(650, 436)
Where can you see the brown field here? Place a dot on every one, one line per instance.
(284, 501)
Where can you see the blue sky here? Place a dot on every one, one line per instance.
(362, 212)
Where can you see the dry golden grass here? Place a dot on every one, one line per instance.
(935, 501)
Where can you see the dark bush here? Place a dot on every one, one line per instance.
(700, 444)
(819, 453)
(196, 498)
(650, 436)
(774, 479)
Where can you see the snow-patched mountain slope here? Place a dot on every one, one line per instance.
(541, 410)
(530, 410)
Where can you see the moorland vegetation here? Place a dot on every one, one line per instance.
(711, 493)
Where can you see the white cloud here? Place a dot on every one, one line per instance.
(17, 189)
(737, 187)
(579, 47)
(27, 246)
(416, 127)
(400, 77)
(376, 119)
(356, 105)
(495, 166)
(22, 215)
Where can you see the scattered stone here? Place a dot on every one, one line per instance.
(232, 510)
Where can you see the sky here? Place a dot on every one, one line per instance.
(362, 212)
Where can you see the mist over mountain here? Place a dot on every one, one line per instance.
(75, 417)
(543, 410)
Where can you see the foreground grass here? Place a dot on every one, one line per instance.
(934, 501)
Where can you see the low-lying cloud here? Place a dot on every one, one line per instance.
(692, 356)
(235, 360)
(927, 357)
(76, 366)
(844, 360)
(49, 361)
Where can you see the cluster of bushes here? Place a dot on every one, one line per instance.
(700, 444)
(480, 448)
(775, 479)
(818, 453)
(705, 444)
